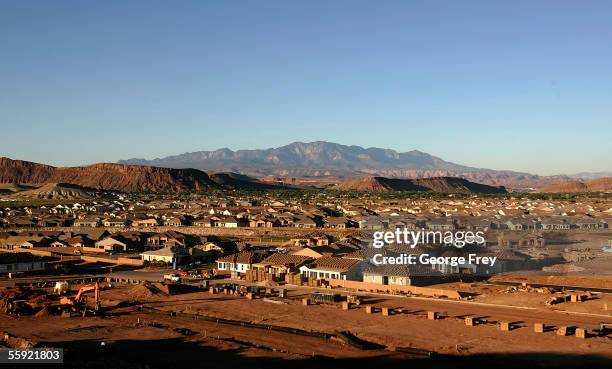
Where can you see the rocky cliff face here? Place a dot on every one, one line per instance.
(596, 185)
(106, 176)
(19, 171)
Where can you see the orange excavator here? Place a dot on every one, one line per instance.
(79, 302)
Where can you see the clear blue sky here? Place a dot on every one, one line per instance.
(521, 85)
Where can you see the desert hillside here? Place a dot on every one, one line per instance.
(437, 184)
(595, 185)
(106, 176)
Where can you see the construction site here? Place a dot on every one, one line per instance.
(132, 323)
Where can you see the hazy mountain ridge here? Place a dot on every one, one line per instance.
(321, 158)
(590, 175)
(319, 155)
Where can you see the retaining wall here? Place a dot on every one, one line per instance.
(426, 291)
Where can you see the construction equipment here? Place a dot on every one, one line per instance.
(79, 303)
(61, 287)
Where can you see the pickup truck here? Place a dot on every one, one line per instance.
(172, 277)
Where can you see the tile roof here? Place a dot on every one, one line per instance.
(333, 264)
(285, 259)
(244, 257)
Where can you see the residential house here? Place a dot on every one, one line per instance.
(150, 222)
(229, 222)
(202, 222)
(169, 238)
(113, 222)
(86, 222)
(441, 224)
(23, 242)
(168, 255)
(260, 222)
(400, 274)
(510, 260)
(313, 239)
(79, 241)
(118, 243)
(513, 240)
(332, 268)
(335, 249)
(173, 222)
(240, 262)
(336, 222)
(304, 222)
(280, 264)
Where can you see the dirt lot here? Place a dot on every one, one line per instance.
(126, 337)
(603, 281)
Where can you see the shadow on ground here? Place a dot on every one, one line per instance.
(182, 353)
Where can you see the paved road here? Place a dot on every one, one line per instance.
(147, 275)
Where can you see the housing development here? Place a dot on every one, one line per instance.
(210, 273)
(305, 184)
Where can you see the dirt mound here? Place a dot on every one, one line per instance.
(563, 268)
(45, 311)
(38, 301)
(161, 288)
(13, 293)
(57, 191)
(33, 296)
(148, 290)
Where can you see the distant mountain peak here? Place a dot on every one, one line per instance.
(322, 158)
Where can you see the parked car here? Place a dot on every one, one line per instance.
(172, 277)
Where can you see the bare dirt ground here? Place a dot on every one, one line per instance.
(602, 281)
(596, 303)
(126, 337)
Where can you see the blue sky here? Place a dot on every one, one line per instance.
(520, 85)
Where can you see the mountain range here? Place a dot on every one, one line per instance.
(317, 164)
(322, 158)
(25, 179)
